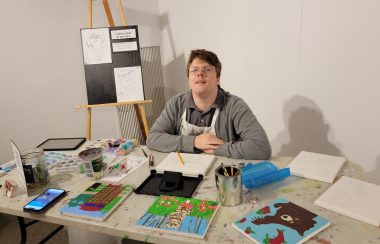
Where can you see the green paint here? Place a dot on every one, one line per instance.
(166, 205)
(313, 184)
(286, 190)
(125, 237)
(146, 239)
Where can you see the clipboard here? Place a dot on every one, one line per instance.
(62, 144)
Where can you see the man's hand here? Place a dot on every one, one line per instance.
(207, 142)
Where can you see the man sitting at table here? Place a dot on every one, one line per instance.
(207, 118)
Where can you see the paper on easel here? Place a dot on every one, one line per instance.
(316, 166)
(21, 182)
(194, 165)
(354, 198)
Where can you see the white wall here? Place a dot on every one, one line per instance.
(42, 76)
(307, 69)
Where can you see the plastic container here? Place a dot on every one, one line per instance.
(262, 173)
(35, 170)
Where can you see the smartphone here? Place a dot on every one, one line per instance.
(43, 201)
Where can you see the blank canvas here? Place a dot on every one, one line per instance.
(354, 198)
(316, 166)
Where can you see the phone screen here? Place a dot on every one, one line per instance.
(44, 200)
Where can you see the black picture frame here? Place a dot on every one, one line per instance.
(62, 144)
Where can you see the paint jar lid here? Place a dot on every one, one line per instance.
(91, 154)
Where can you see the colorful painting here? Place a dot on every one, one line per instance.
(179, 215)
(97, 201)
(281, 222)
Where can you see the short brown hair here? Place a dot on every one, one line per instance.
(207, 56)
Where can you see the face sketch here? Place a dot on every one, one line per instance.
(203, 80)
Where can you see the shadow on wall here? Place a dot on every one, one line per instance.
(175, 71)
(305, 130)
(373, 175)
(176, 76)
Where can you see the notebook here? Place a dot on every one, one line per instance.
(194, 164)
(354, 198)
(97, 202)
(179, 215)
(281, 221)
(316, 166)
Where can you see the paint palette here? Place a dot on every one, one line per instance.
(69, 164)
(52, 158)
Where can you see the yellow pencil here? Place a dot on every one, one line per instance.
(180, 158)
(232, 170)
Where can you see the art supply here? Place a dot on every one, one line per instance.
(93, 159)
(97, 202)
(123, 166)
(150, 158)
(195, 164)
(70, 163)
(52, 158)
(224, 170)
(316, 166)
(262, 173)
(8, 166)
(177, 215)
(180, 158)
(185, 188)
(146, 155)
(281, 221)
(229, 187)
(354, 198)
(35, 170)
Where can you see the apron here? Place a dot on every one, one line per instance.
(188, 129)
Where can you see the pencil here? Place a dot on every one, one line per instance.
(232, 170)
(146, 155)
(180, 158)
(225, 171)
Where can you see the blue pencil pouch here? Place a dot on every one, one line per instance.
(259, 174)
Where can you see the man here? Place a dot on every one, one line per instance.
(207, 118)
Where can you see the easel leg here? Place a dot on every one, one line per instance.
(141, 116)
(88, 134)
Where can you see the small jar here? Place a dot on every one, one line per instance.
(35, 170)
(93, 162)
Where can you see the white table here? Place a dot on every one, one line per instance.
(121, 223)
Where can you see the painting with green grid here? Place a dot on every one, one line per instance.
(97, 202)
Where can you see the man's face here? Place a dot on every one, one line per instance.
(202, 78)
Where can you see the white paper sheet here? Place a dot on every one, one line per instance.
(129, 86)
(96, 46)
(124, 46)
(123, 34)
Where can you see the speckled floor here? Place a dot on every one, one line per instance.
(10, 231)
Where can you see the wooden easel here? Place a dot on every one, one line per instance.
(138, 105)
